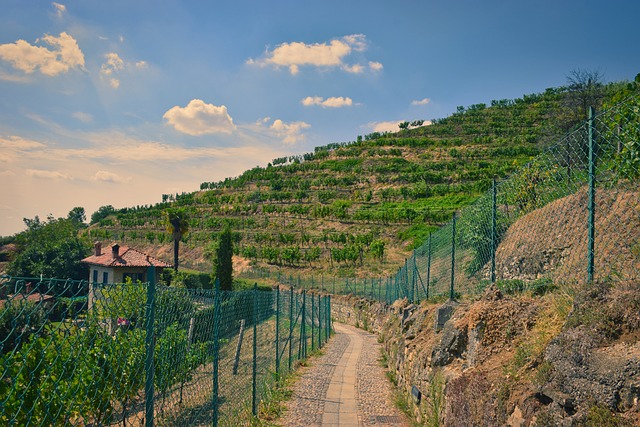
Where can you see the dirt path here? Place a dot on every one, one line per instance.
(344, 387)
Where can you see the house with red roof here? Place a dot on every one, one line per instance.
(120, 263)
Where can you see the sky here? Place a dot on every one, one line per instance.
(118, 102)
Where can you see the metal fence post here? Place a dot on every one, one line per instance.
(428, 266)
(277, 329)
(329, 317)
(453, 256)
(320, 321)
(150, 342)
(216, 351)
(303, 327)
(494, 232)
(592, 197)
(290, 327)
(254, 372)
(313, 334)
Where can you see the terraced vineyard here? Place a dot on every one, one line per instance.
(359, 206)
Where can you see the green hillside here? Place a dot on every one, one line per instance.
(359, 207)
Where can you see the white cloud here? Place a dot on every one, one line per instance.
(64, 55)
(18, 143)
(60, 9)
(104, 176)
(82, 116)
(332, 102)
(200, 118)
(7, 173)
(423, 101)
(46, 174)
(375, 66)
(384, 126)
(291, 133)
(357, 41)
(113, 65)
(323, 55)
(354, 69)
(142, 65)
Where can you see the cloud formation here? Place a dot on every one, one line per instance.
(200, 118)
(110, 177)
(423, 101)
(64, 55)
(385, 126)
(113, 65)
(322, 55)
(59, 8)
(332, 102)
(46, 174)
(290, 133)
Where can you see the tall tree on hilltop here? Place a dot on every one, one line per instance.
(177, 224)
(224, 263)
(51, 248)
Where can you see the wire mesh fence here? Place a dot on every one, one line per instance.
(74, 353)
(572, 215)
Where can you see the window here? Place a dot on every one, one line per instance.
(135, 277)
(105, 277)
(95, 276)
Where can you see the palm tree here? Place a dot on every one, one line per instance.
(177, 223)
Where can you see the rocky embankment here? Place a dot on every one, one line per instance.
(567, 358)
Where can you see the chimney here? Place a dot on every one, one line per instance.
(97, 248)
(115, 250)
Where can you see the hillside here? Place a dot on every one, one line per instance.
(360, 206)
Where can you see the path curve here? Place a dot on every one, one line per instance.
(345, 387)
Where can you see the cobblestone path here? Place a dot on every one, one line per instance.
(344, 387)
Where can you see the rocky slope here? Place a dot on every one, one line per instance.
(570, 357)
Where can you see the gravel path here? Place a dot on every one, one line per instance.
(372, 390)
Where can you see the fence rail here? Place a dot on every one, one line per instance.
(141, 354)
(572, 215)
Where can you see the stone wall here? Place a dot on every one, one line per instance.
(475, 363)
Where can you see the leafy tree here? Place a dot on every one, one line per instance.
(77, 215)
(102, 213)
(223, 262)
(403, 125)
(50, 248)
(177, 224)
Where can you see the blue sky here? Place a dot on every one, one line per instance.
(117, 102)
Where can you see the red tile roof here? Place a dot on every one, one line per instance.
(35, 297)
(127, 257)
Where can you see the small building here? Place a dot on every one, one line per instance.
(120, 263)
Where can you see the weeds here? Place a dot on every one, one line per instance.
(435, 400)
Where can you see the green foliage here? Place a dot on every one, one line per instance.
(19, 320)
(223, 263)
(377, 249)
(102, 213)
(52, 248)
(536, 287)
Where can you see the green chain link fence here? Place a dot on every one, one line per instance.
(572, 215)
(141, 354)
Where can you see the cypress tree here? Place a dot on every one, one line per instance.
(224, 264)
